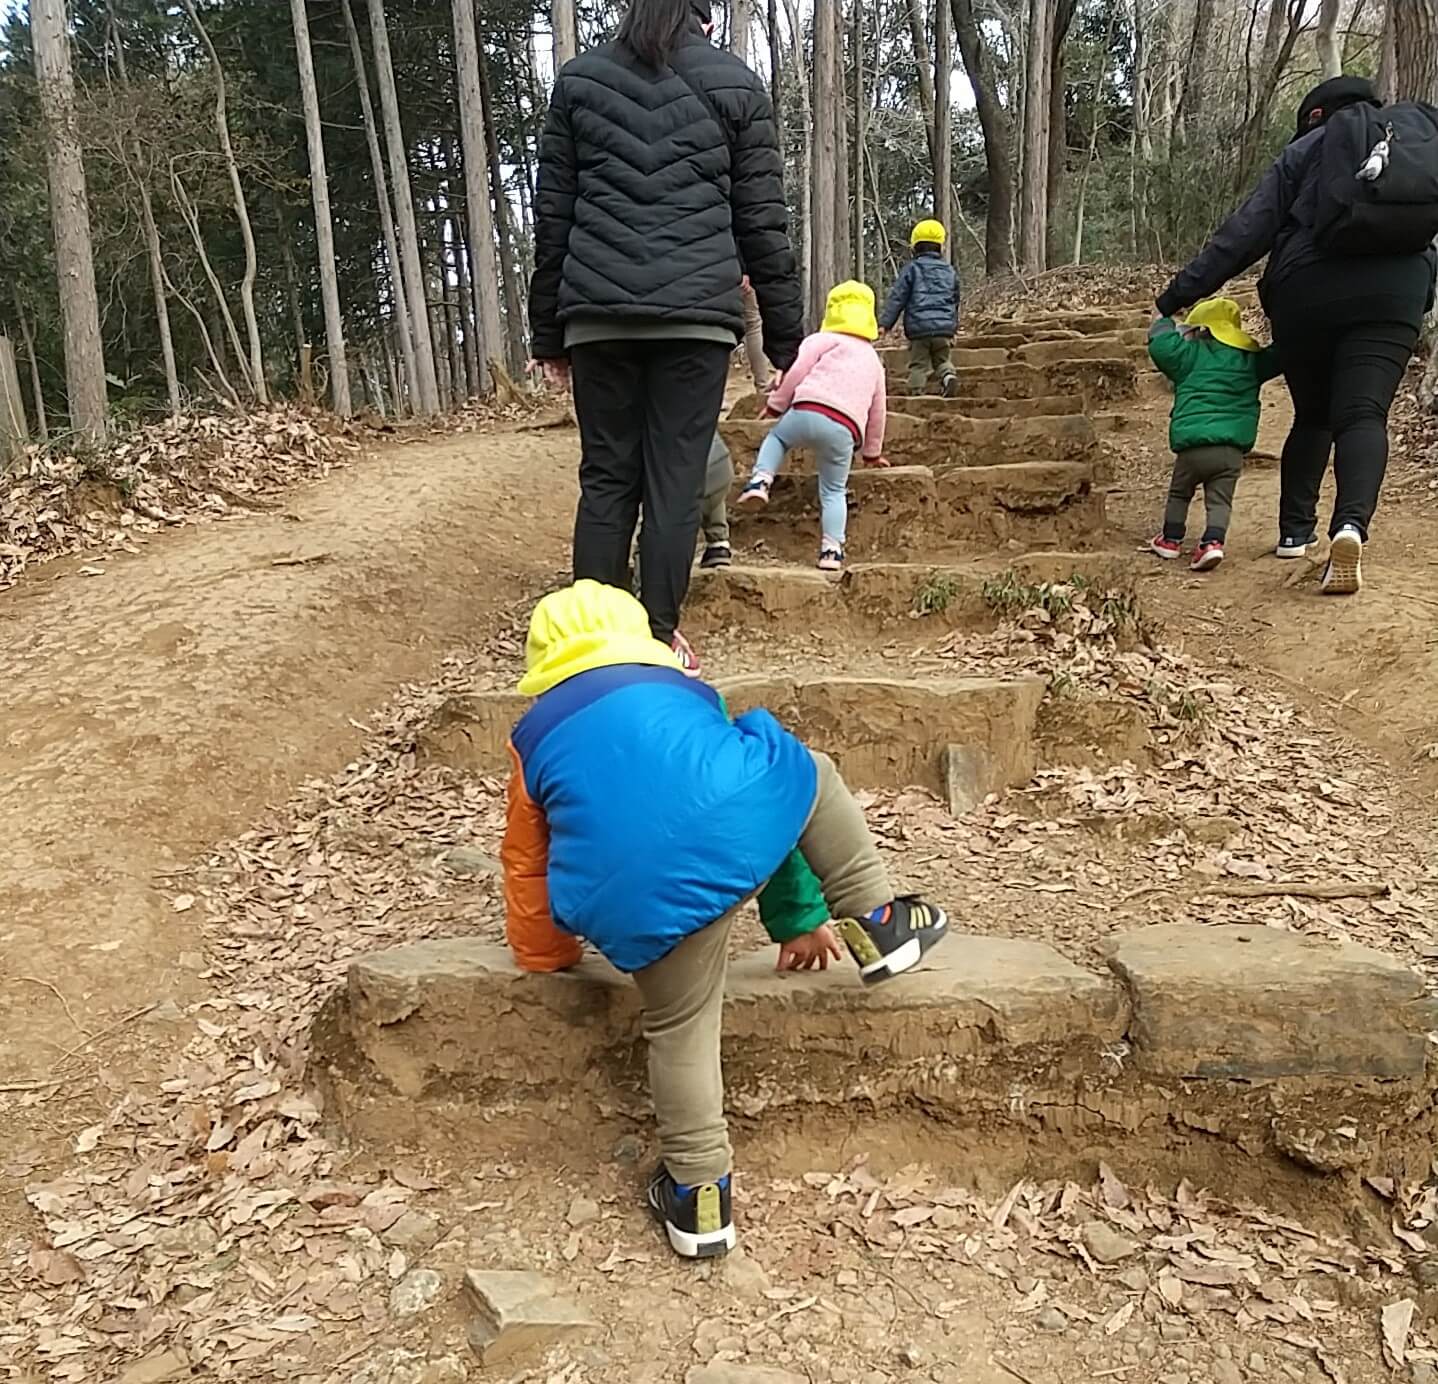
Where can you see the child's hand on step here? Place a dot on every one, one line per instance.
(812, 950)
(878, 463)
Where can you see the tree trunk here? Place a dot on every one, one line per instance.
(1196, 75)
(1415, 35)
(1328, 42)
(292, 295)
(474, 364)
(824, 170)
(565, 24)
(1034, 190)
(998, 153)
(860, 140)
(426, 381)
(806, 172)
(943, 140)
(484, 275)
(14, 433)
(399, 307)
(37, 388)
(843, 239)
(141, 180)
(741, 27)
(776, 63)
(508, 267)
(1058, 109)
(1388, 54)
(70, 221)
(191, 218)
(242, 212)
(924, 63)
(324, 227)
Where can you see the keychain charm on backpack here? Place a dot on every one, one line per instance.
(1377, 162)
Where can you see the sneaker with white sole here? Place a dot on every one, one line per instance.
(1206, 556)
(717, 555)
(831, 556)
(684, 652)
(1344, 574)
(755, 494)
(894, 938)
(699, 1220)
(1166, 548)
(1291, 547)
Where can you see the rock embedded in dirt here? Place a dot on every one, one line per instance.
(1172, 1330)
(417, 1291)
(414, 1232)
(157, 1368)
(1106, 1244)
(722, 1372)
(466, 860)
(1051, 1319)
(1421, 1372)
(1135, 1280)
(582, 1211)
(518, 1312)
(1225, 1372)
(744, 1276)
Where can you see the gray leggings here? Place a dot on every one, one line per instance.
(1217, 470)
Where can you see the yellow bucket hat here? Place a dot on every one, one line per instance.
(587, 625)
(928, 233)
(850, 310)
(1222, 318)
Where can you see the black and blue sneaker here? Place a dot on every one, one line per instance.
(699, 1220)
(894, 938)
(1295, 545)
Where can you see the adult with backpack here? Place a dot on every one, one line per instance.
(1347, 215)
(660, 187)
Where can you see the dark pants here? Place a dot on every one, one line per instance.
(647, 412)
(1217, 470)
(1342, 380)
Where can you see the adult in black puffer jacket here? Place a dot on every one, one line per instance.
(1345, 329)
(660, 187)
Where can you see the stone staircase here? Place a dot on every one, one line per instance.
(1243, 1033)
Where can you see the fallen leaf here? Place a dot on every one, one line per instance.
(182, 903)
(1397, 1321)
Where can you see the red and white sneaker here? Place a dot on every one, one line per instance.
(684, 651)
(1165, 548)
(1206, 556)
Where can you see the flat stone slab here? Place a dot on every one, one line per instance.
(883, 733)
(441, 1017)
(518, 1313)
(1254, 1002)
(936, 406)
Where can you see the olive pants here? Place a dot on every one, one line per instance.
(929, 356)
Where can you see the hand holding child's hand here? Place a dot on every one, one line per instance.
(812, 950)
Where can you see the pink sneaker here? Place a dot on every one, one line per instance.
(1206, 556)
(684, 651)
(1165, 548)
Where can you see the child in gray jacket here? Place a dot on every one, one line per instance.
(926, 296)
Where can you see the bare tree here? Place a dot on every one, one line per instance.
(504, 227)
(828, 108)
(1034, 188)
(943, 117)
(242, 212)
(1328, 41)
(923, 60)
(484, 268)
(398, 305)
(860, 139)
(70, 221)
(1197, 78)
(37, 386)
(1058, 115)
(139, 175)
(997, 130)
(565, 24)
(741, 26)
(324, 227)
(426, 381)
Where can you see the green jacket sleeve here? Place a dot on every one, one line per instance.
(1170, 350)
(791, 904)
(1267, 364)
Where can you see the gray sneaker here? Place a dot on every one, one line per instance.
(1344, 574)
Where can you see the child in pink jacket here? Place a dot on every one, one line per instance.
(831, 401)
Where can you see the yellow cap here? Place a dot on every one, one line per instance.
(1222, 318)
(850, 310)
(928, 233)
(587, 625)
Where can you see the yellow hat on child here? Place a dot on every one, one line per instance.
(1222, 318)
(927, 233)
(850, 310)
(586, 626)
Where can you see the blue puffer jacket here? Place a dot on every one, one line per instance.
(927, 296)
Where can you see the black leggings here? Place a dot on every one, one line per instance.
(647, 412)
(1342, 379)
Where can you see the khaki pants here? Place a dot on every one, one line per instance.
(759, 367)
(929, 356)
(683, 992)
(714, 518)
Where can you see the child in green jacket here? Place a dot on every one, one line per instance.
(1218, 371)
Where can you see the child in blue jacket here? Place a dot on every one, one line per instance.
(640, 819)
(926, 296)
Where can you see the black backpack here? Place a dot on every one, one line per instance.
(1394, 212)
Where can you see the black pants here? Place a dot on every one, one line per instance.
(647, 412)
(1342, 379)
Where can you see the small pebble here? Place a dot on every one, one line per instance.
(1171, 1330)
(1257, 1363)
(1051, 1319)
(1225, 1372)
(1025, 1286)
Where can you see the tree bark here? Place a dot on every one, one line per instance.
(806, 172)
(565, 24)
(191, 218)
(998, 154)
(324, 227)
(37, 387)
(508, 266)
(1034, 188)
(915, 11)
(1192, 99)
(70, 221)
(843, 238)
(14, 432)
(242, 212)
(1328, 42)
(399, 308)
(776, 61)
(426, 381)
(741, 27)
(484, 268)
(860, 140)
(943, 140)
(1058, 107)
(824, 171)
(1415, 35)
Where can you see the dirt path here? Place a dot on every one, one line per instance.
(150, 711)
(1369, 664)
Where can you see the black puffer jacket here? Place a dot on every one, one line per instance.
(1301, 280)
(926, 294)
(657, 191)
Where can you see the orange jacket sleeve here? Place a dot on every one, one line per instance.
(537, 944)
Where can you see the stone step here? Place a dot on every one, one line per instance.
(882, 732)
(923, 516)
(942, 440)
(1268, 1042)
(1121, 346)
(1095, 381)
(1080, 323)
(936, 406)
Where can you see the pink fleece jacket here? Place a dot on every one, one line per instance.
(840, 374)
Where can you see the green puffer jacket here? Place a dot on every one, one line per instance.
(1216, 387)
